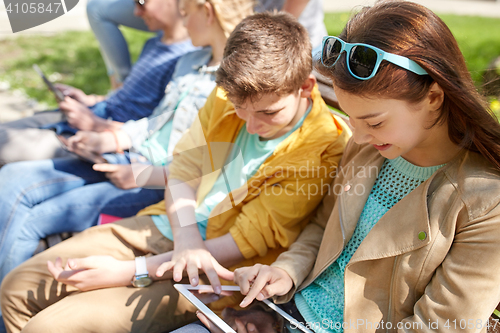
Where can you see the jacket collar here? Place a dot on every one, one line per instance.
(403, 231)
(405, 227)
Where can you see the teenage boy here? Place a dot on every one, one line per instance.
(265, 133)
(141, 92)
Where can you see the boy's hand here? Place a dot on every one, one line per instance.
(99, 143)
(79, 115)
(121, 175)
(94, 272)
(76, 94)
(193, 259)
(261, 282)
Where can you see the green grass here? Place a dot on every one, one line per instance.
(74, 58)
(70, 57)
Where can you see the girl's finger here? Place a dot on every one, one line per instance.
(259, 283)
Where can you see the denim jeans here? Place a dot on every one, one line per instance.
(40, 198)
(104, 18)
(23, 140)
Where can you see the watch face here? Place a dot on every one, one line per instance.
(142, 282)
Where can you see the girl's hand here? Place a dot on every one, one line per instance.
(94, 272)
(193, 259)
(261, 282)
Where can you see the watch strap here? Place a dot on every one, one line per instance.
(140, 266)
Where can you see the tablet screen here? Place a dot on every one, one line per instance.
(265, 314)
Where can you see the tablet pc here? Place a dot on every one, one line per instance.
(85, 155)
(57, 93)
(185, 290)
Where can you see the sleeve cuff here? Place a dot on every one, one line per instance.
(245, 248)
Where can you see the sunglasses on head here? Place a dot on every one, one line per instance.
(363, 60)
(140, 2)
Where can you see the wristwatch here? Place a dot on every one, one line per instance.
(141, 278)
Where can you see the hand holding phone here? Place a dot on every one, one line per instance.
(83, 154)
(57, 93)
(76, 94)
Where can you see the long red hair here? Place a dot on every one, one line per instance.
(413, 31)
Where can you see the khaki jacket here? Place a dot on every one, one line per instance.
(431, 263)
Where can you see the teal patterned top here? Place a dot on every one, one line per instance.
(322, 302)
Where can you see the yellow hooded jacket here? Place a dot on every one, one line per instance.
(266, 216)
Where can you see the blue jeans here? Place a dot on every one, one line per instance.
(196, 327)
(40, 198)
(104, 18)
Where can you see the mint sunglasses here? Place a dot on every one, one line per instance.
(363, 60)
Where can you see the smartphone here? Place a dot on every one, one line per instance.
(85, 155)
(185, 290)
(57, 93)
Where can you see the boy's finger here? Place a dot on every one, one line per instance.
(63, 105)
(178, 269)
(223, 272)
(67, 277)
(72, 140)
(55, 268)
(105, 167)
(67, 102)
(80, 146)
(63, 87)
(212, 277)
(192, 272)
(112, 178)
(83, 263)
(166, 266)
